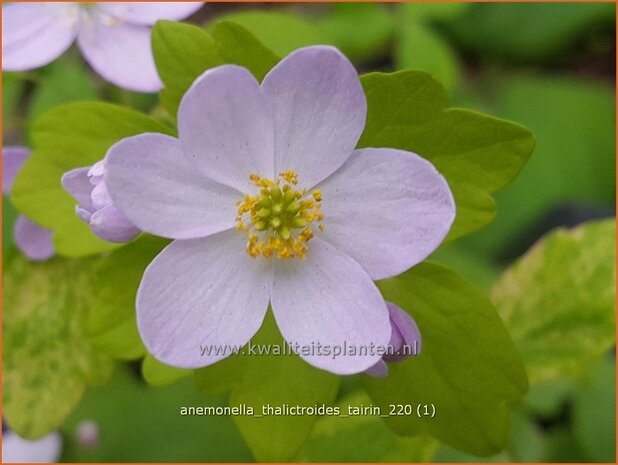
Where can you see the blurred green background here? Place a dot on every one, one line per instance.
(549, 67)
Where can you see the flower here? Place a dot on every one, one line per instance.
(16, 449)
(95, 206)
(405, 340)
(114, 37)
(268, 202)
(34, 241)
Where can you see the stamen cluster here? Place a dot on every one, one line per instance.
(278, 220)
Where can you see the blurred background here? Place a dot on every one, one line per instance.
(550, 67)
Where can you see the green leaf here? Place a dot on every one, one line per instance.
(47, 358)
(221, 377)
(559, 300)
(468, 368)
(420, 48)
(362, 31)
(431, 11)
(276, 380)
(112, 326)
(476, 153)
(363, 438)
(548, 399)
(526, 441)
(562, 447)
(529, 32)
(157, 373)
(594, 413)
(238, 46)
(574, 125)
(182, 52)
(9, 216)
(140, 424)
(475, 269)
(65, 81)
(281, 32)
(67, 137)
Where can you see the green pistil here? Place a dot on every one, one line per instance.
(279, 212)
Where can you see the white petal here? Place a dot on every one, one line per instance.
(34, 34)
(34, 241)
(202, 294)
(16, 449)
(159, 190)
(225, 127)
(330, 300)
(148, 13)
(13, 159)
(120, 52)
(319, 110)
(388, 209)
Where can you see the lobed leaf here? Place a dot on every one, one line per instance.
(468, 367)
(67, 137)
(112, 325)
(47, 358)
(476, 153)
(558, 301)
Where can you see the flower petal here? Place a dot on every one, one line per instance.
(16, 449)
(225, 127)
(319, 110)
(34, 241)
(120, 52)
(388, 209)
(35, 34)
(202, 295)
(77, 183)
(12, 160)
(111, 225)
(159, 190)
(405, 333)
(148, 13)
(330, 300)
(379, 370)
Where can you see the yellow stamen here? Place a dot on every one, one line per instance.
(277, 220)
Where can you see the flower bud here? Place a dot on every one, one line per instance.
(405, 341)
(95, 206)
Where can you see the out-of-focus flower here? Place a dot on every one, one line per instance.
(114, 37)
(268, 201)
(34, 241)
(16, 449)
(88, 434)
(95, 206)
(405, 341)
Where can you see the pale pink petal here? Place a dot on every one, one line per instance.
(225, 127)
(34, 34)
(120, 52)
(405, 336)
(148, 13)
(319, 110)
(388, 209)
(34, 241)
(12, 160)
(16, 449)
(160, 191)
(201, 298)
(328, 299)
(111, 225)
(77, 183)
(379, 370)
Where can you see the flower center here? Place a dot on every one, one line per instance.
(279, 220)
